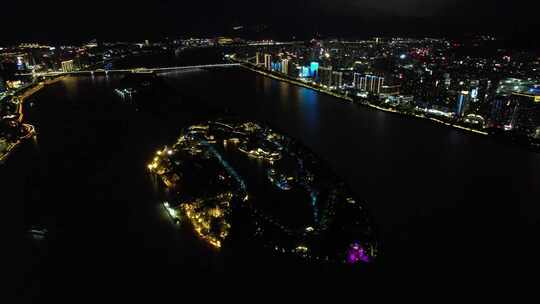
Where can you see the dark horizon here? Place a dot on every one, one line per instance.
(60, 22)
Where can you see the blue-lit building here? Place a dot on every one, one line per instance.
(311, 71)
(3, 87)
(534, 90)
(501, 112)
(305, 72)
(277, 67)
(463, 103)
(314, 70)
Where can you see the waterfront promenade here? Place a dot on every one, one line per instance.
(346, 98)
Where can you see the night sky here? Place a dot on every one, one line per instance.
(279, 19)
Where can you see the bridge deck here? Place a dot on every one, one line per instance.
(142, 70)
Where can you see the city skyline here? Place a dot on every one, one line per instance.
(169, 142)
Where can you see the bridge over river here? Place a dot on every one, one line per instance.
(137, 70)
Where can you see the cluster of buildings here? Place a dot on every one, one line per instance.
(453, 80)
(476, 82)
(324, 75)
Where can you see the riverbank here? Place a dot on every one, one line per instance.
(350, 99)
(30, 130)
(30, 91)
(10, 148)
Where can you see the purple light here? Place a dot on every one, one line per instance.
(356, 254)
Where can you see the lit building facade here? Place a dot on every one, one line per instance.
(3, 87)
(268, 61)
(501, 112)
(285, 66)
(67, 66)
(526, 117)
(512, 98)
(337, 79)
(463, 103)
(314, 69)
(325, 76)
(390, 90)
(368, 83)
(259, 59)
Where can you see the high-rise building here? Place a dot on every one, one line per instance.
(294, 69)
(276, 66)
(463, 103)
(505, 106)
(337, 79)
(501, 112)
(23, 61)
(67, 66)
(356, 80)
(325, 76)
(285, 66)
(268, 61)
(369, 83)
(314, 69)
(526, 117)
(3, 87)
(258, 59)
(447, 80)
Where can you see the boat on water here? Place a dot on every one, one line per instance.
(38, 234)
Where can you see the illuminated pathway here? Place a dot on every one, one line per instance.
(225, 164)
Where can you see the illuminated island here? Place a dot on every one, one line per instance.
(234, 180)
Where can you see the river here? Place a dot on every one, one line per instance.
(444, 201)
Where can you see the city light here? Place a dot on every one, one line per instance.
(356, 253)
(210, 213)
(229, 151)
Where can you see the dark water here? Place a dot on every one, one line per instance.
(444, 202)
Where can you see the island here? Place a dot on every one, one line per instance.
(235, 180)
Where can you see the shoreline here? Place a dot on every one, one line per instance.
(12, 146)
(31, 130)
(349, 99)
(29, 92)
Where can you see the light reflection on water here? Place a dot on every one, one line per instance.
(308, 102)
(504, 178)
